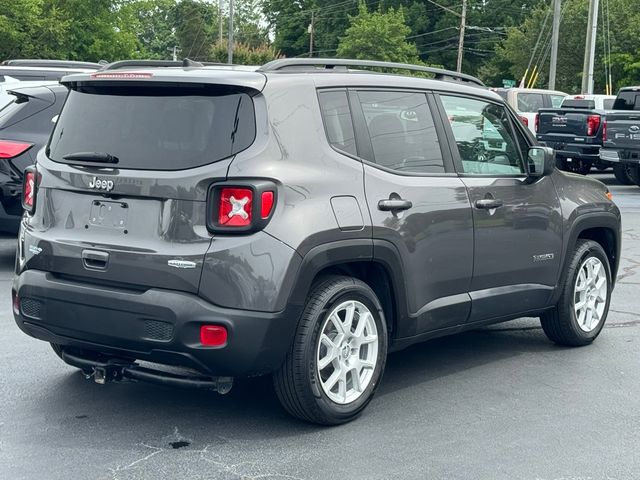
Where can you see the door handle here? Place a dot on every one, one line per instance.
(489, 203)
(394, 205)
(95, 260)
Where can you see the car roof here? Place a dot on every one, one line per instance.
(530, 90)
(252, 77)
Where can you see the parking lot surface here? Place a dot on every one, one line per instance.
(497, 403)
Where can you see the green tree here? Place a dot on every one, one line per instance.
(378, 35)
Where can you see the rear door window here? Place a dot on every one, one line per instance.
(530, 102)
(402, 131)
(155, 127)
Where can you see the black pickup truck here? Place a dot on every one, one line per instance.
(575, 131)
(621, 145)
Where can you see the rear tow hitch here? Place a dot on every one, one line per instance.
(115, 370)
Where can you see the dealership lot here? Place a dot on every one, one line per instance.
(501, 402)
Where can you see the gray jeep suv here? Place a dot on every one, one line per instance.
(187, 224)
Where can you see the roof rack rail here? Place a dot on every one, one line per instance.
(26, 62)
(332, 63)
(186, 63)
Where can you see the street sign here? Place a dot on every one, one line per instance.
(508, 83)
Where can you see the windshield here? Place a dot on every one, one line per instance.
(155, 128)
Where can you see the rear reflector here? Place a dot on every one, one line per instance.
(9, 149)
(213, 335)
(235, 207)
(267, 204)
(16, 303)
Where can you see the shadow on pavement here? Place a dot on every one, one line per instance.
(252, 409)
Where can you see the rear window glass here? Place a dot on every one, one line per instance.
(587, 104)
(629, 100)
(608, 103)
(155, 127)
(530, 102)
(556, 100)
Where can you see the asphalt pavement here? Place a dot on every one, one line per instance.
(497, 403)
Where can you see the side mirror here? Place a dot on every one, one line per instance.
(541, 161)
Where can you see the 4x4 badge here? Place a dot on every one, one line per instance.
(181, 264)
(101, 184)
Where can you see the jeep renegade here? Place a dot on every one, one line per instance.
(300, 219)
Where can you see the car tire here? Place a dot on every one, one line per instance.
(346, 311)
(623, 174)
(581, 312)
(584, 167)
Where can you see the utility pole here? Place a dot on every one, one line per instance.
(555, 34)
(230, 45)
(463, 24)
(175, 49)
(220, 20)
(590, 48)
(311, 28)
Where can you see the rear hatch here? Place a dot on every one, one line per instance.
(124, 178)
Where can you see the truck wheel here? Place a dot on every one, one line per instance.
(580, 314)
(583, 167)
(622, 174)
(338, 355)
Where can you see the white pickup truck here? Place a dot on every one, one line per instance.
(527, 102)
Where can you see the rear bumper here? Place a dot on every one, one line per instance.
(620, 156)
(574, 150)
(160, 326)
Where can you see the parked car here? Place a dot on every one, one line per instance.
(527, 101)
(40, 70)
(621, 146)
(25, 126)
(575, 131)
(300, 220)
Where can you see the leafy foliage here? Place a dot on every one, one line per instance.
(378, 35)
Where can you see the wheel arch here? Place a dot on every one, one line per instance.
(603, 228)
(355, 258)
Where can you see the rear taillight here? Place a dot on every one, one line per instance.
(604, 130)
(11, 149)
(235, 207)
(524, 120)
(537, 122)
(29, 189)
(593, 123)
(241, 207)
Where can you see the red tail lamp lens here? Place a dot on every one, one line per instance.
(267, 204)
(213, 335)
(593, 123)
(524, 120)
(235, 207)
(29, 190)
(9, 149)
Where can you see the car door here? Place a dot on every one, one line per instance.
(419, 207)
(517, 221)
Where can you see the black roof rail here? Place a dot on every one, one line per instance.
(186, 63)
(332, 63)
(25, 62)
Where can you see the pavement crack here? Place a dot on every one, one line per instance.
(119, 468)
(629, 270)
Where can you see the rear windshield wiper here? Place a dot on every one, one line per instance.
(98, 157)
